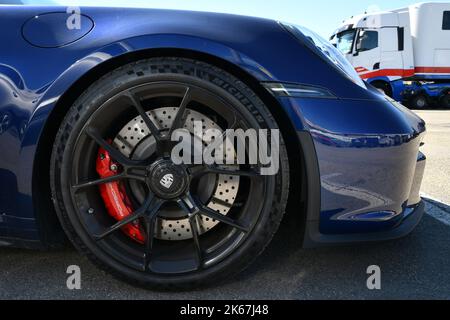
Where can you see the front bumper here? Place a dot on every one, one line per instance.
(395, 227)
(363, 170)
(414, 196)
(412, 217)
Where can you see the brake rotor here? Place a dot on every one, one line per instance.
(135, 133)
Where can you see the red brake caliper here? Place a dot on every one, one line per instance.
(114, 196)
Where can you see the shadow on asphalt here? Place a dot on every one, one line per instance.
(415, 267)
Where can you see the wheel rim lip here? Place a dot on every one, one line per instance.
(211, 262)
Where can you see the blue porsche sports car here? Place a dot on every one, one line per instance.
(89, 101)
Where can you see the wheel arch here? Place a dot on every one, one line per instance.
(444, 92)
(383, 83)
(51, 232)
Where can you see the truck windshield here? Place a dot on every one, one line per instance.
(344, 41)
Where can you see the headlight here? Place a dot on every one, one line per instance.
(326, 50)
(298, 90)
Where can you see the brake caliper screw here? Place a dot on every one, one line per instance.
(113, 167)
(91, 211)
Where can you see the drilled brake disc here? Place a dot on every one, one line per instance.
(225, 190)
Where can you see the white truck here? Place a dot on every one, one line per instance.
(405, 52)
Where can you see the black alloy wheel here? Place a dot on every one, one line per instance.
(200, 223)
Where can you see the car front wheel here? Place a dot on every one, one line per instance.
(133, 211)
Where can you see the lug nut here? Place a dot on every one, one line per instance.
(114, 167)
(91, 211)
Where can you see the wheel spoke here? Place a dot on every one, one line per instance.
(99, 182)
(119, 225)
(236, 124)
(220, 141)
(193, 208)
(188, 204)
(113, 152)
(150, 222)
(243, 173)
(180, 118)
(221, 202)
(197, 170)
(150, 234)
(205, 211)
(149, 123)
(132, 217)
(200, 170)
(121, 176)
(137, 173)
(195, 235)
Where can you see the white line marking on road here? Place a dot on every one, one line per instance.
(437, 209)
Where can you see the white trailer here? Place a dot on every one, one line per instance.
(404, 52)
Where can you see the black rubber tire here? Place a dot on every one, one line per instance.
(145, 71)
(445, 101)
(419, 102)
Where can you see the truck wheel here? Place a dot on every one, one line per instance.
(445, 101)
(419, 102)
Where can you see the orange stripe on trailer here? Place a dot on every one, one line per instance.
(389, 73)
(361, 69)
(432, 70)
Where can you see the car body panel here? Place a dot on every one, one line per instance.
(368, 135)
(365, 166)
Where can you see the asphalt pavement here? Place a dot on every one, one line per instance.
(416, 267)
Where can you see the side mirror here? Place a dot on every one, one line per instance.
(358, 45)
(359, 41)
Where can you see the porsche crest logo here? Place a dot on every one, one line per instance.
(167, 181)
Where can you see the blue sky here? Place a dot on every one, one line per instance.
(322, 16)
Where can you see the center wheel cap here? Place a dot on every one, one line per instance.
(167, 180)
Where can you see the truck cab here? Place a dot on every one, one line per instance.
(405, 53)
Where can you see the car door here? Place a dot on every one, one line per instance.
(366, 57)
